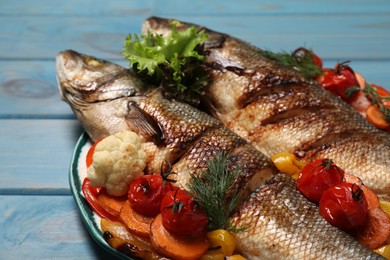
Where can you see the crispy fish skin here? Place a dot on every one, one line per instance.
(282, 224)
(107, 98)
(178, 133)
(278, 110)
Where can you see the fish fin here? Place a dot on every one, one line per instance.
(143, 124)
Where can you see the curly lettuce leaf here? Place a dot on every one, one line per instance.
(168, 59)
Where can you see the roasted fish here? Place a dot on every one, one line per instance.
(278, 110)
(283, 224)
(107, 98)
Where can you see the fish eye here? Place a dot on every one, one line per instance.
(92, 61)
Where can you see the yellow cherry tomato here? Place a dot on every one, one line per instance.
(224, 239)
(213, 254)
(385, 206)
(288, 163)
(384, 251)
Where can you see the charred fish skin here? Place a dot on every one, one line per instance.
(282, 224)
(278, 110)
(192, 138)
(174, 132)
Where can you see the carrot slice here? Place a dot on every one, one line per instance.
(111, 204)
(360, 79)
(118, 236)
(376, 117)
(376, 232)
(176, 247)
(135, 222)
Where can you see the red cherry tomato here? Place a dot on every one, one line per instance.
(339, 80)
(146, 193)
(344, 206)
(318, 176)
(90, 193)
(182, 215)
(301, 54)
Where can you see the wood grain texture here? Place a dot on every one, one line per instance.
(337, 37)
(44, 227)
(192, 8)
(37, 155)
(38, 132)
(28, 89)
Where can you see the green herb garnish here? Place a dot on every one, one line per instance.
(172, 61)
(372, 94)
(214, 191)
(305, 64)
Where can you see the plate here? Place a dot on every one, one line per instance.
(77, 173)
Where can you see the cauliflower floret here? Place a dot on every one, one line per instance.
(117, 160)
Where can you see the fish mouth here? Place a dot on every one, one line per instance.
(88, 79)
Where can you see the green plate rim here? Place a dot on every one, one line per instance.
(87, 214)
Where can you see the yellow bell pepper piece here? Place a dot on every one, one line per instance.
(384, 251)
(385, 206)
(224, 239)
(288, 163)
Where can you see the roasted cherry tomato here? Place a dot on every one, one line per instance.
(90, 193)
(341, 80)
(318, 176)
(302, 54)
(182, 215)
(344, 206)
(146, 193)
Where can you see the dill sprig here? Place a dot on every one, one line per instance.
(214, 191)
(305, 64)
(372, 94)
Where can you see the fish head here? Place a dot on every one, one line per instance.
(92, 79)
(98, 91)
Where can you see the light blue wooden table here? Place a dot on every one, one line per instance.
(38, 132)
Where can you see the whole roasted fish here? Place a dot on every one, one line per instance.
(278, 110)
(107, 98)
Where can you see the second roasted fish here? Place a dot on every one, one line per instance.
(278, 110)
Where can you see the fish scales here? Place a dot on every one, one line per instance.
(282, 224)
(107, 98)
(278, 110)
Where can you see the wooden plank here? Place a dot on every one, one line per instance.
(188, 7)
(45, 227)
(80, 7)
(29, 88)
(338, 37)
(36, 154)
